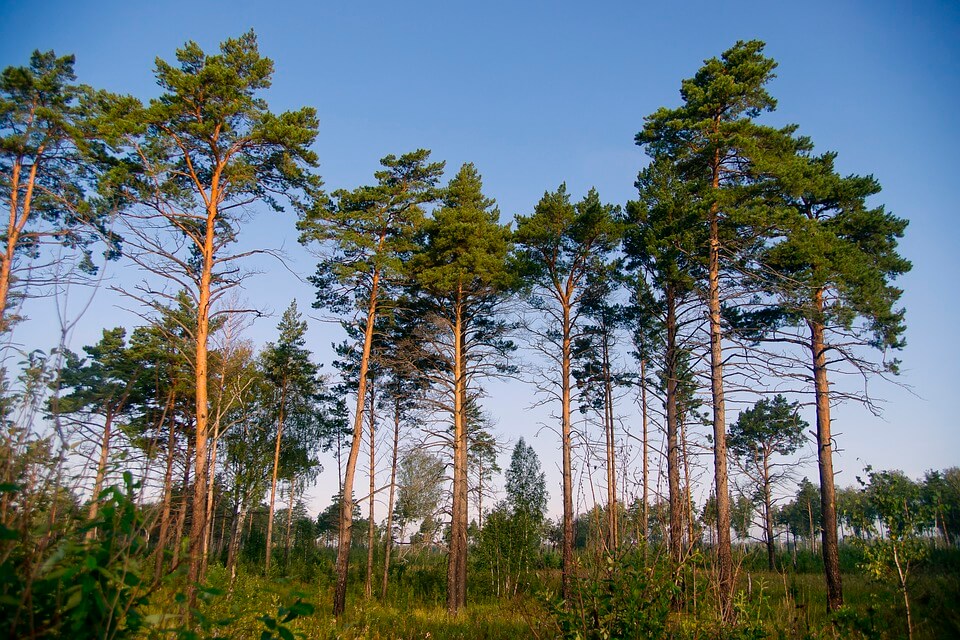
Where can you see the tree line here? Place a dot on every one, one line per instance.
(746, 264)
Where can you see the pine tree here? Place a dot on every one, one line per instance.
(769, 428)
(831, 274)
(462, 274)
(724, 156)
(51, 160)
(294, 388)
(200, 154)
(368, 234)
(559, 249)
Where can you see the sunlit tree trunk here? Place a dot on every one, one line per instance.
(828, 505)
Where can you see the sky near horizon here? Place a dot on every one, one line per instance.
(540, 93)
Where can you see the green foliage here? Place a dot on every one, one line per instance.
(768, 427)
(625, 598)
(370, 232)
(80, 586)
(508, 546)
(465, 248)
(277, 627)
(50, 162)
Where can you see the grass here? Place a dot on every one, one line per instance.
(769, 604)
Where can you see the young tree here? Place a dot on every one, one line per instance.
(901, 509)
(830, 274)
(661, 241)
(462, 274)
(294, 388)
(770, 428)
(419, 487)
(368, 232)
(98, 389)
(723, 154)
(512, 535)
(50, 160)
(202, 153)
(559, 248)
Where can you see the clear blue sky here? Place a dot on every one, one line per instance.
(537, 93)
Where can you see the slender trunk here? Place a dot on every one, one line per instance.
(19, 214)
(828, 505)
(101, 472)
(184, 503)
(371, 526)
(902, 575)
(768, 513)
(567, 447)
(673, 455)
(167, 494)
(457, 560)
(724, 549)
(199, 523)
(611, 447)
(393, 486)
(239, 515)
(346, 509)
(686, 479)
(646, 470)
(211, 476)
(273, 478)
(286, 538)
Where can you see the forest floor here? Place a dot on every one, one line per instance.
(769, 604)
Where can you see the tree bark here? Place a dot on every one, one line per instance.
(101, 473)
(167, 492)
(393, 486)
(457, 560)
(724, 543)
(611, 445)
(567, 447)
(646, 471)
(286, 538)
(184, 504)
(273, 479)
(768, 513)
(673, 454)
(828, 505)
(15, 225)
(371, 525)
(199, 523)
(346, 509)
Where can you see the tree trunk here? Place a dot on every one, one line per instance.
(673, 455)
(768, 513)
(828, 505)
(346, 508)
(286, 537)
(199, 523)
(371, 526)
(724, 544)
(101, 473)
(19, 214)
(211, 475)
(457, 560)
(646, 471)
(184, 504)
(167, 493)
(393, 486)
(611, 446)
(239, 515)
(273, 479)
(686, 479)
(567, 447)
